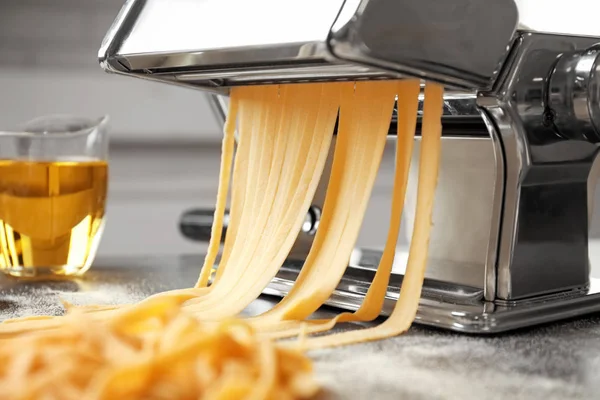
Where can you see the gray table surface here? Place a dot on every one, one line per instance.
(555, 361)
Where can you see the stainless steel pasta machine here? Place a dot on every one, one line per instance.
(509, 244)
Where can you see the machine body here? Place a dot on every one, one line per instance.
(531, 100)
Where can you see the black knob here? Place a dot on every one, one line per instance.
(196, 224)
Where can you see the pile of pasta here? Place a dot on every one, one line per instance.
(273, 168)
(154, 352)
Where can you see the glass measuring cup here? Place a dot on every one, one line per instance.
(53, 187)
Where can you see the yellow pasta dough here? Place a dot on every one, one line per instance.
(285, 132)
(224, 175)
(153, 352)
(373, 302)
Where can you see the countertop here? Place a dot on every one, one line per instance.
(554, 361)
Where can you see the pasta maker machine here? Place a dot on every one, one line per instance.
(521, 124)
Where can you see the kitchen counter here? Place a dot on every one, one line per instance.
(555, 361)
